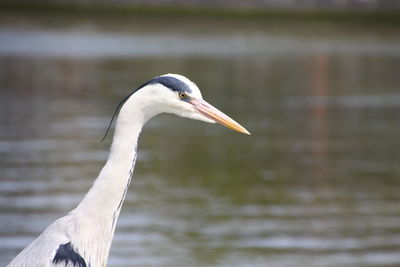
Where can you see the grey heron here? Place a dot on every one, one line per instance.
(83, 237)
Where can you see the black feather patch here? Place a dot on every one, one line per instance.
(67, 254)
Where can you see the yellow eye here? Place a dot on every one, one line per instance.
(182, 95)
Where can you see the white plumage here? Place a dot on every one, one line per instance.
(84, 236)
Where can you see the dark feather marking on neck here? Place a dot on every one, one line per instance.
(124, 194)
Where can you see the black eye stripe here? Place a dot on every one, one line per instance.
(170, 82)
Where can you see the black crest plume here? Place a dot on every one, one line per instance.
(115, 114)
(171, 83)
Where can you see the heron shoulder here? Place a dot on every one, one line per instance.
(67, 255)
(42, 250)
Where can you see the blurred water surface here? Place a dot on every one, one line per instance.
(316, 184)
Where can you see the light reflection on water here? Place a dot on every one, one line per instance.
(106, 45)
(315, 185)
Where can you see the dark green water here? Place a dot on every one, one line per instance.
(316, 184)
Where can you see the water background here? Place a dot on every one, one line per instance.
(316, 184)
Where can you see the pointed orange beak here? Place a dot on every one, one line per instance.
(214, 114)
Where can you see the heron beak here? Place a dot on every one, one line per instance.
(214, 114)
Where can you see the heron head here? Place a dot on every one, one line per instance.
(176, 94)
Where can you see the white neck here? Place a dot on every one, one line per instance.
(97, 214)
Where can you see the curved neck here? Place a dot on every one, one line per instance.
(98, 212)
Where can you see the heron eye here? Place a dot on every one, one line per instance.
(182, 95)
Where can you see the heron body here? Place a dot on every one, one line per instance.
(83, 237)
